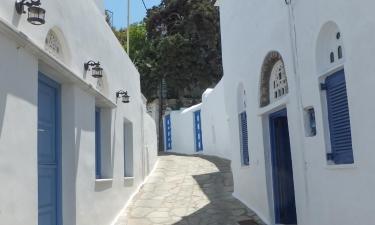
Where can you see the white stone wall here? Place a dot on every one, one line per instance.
(183, 130)
(325, 194)
(84, 36)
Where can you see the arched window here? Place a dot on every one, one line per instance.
(53, 45)
(330, 51)
(278, 82)
(330, 65)
(56, 44)
(274, 83)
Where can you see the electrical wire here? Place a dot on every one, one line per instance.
(143, 1)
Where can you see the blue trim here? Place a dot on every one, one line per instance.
(284, 200)
(44, 79)
(168, 132)
(339, 119)
(98, 147)
(198, 131)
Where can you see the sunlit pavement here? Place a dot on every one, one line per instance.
(194, 190)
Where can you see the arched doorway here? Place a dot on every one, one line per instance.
(273, 88)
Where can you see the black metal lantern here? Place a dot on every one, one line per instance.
(97, 71)
(124, 95)
(36, 14)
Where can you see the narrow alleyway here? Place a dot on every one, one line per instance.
(188, 190)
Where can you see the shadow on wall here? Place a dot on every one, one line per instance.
(16, 18)
(113, 151)
(222, 207)
(3, 103)
(11, 88)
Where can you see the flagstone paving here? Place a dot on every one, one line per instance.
(187, 190)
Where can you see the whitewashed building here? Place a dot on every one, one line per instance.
(71, 152)
(293, 111)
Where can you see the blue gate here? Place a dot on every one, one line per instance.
(49, 173)
(168, 132)
(198, 131)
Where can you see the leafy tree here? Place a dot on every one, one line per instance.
(143, 55)
(179, 41)
(186, 34)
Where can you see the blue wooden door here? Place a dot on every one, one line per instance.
(198, 131)
(48, 152)
(168, 133)
(282, 170)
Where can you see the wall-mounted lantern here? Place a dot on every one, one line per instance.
(97, 71)
(124, 95)
(36, 14)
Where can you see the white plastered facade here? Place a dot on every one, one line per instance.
(82, 34)
(303, 33)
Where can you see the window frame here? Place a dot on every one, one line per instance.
(98, 142)
(328, 116)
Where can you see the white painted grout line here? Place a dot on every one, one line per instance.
(133, 195)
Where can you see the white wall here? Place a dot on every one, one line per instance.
(325, 194)
(85, 35)
(354, 181)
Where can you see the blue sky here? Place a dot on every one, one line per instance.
(119, 8)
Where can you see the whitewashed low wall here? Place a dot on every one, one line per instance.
(215, 130)
(215, 127)
(183, 130)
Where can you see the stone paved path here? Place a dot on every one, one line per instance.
(187, 190)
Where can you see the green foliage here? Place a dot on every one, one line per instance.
(179, 40)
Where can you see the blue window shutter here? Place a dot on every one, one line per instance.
(198, 131)
(339, 119)
(244, 139)
(97, 144)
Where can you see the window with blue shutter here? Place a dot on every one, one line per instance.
(198, 131)
(339, 119)
(97, 144)
(244, 140)
(168, 133)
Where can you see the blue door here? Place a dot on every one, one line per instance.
(282, 170)
(198, 131)
(168, 132)
(48, 152)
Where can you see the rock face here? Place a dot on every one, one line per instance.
(188, 190)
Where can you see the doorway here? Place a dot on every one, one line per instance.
(282, 169)
(49, 160)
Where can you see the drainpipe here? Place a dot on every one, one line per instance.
(161, 129)
(128, 31)
(293, 38)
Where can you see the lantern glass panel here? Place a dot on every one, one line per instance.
(36, 15)
(125, 98)
(97, 72)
